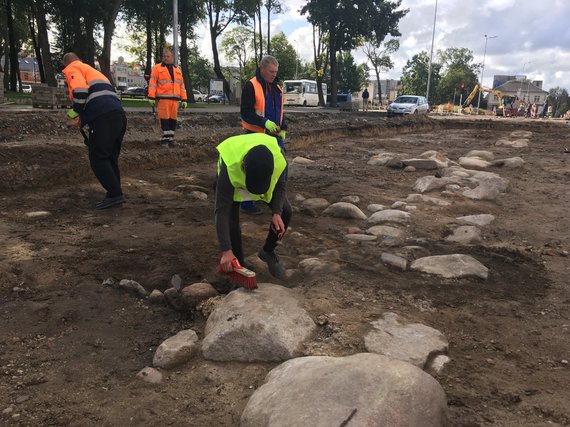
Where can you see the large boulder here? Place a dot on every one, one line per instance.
(344, 210)
(413, 343)
(264, 325)
(390, 215)
(358, 391)
(451, 266)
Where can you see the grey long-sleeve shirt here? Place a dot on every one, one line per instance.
(225, 199)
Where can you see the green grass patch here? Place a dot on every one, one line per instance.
(17, 95)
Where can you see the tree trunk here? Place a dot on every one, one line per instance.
(332, 62)
(36, 47)
(44, 44)
(108, 29)
(149, 62)
(260, 32)
(255, 40)
(217, 67)
(268, 6)
(14, 66)
(379, 87)
(184, 50)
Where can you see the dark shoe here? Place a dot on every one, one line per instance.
(172, 144)
(276, 269)
(107, 202)
(254, 210)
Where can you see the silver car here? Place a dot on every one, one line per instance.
(408, 104)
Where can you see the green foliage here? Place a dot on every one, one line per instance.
(415, 75)
(285, 53)
(348, 21)
(237, 47)
(351, 77)
(558, 98)
(458, 68)
(200, 69)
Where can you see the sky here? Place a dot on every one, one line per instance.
(532, 39)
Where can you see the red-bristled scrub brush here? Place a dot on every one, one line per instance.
(240, 275)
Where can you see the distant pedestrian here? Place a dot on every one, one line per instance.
(365, 97)
(470, 109)
(549, 111)
(448, 107)
(544, 109)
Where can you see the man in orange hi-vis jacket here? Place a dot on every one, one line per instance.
(96, 105)
(166, 90)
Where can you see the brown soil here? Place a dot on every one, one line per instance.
(70, 347)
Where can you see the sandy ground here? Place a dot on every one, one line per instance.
(70, 347)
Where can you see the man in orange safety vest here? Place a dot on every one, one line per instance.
(166, 90)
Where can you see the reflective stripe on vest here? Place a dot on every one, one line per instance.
(259, 106)
(232, 152)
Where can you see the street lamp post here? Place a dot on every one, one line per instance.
(524, 65)
(296, 57)
(431, 52)
(483, 69)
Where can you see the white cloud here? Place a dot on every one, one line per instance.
(527, 31)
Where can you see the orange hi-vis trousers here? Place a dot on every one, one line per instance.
(167, 110)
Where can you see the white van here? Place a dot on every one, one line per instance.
(302, 92)
(26, 88)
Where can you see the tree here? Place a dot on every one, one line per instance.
(458, 68)
(320, 59)
(558, 98)
(14, 66)
(351, 77)
(191, 11)
(220, 14)
(274, 6)
(286, 55)
(378, 55)
(200, 69)
(348, 21)
(236, 44)
(415, 74)
(109, 16)
(39, 11)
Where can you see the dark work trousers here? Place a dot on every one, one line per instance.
(270, 241)
(105, 138)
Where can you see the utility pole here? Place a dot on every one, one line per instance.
(175, 30)
(431, 53)
(483, 69)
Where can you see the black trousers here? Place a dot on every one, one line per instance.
(271, 239)
(106, 134)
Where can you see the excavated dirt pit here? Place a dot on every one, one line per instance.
(70, 347)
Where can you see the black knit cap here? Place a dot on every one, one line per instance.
(258, 165)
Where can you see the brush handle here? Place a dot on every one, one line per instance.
(240, 269)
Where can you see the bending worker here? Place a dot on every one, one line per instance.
(96, 104)
(251, 167)
(262, 109)
(166, 90)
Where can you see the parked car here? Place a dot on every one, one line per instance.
(343, 101)
(135, 92)
(26, 88)
(217, 98)
(198, 96)
(408, 104)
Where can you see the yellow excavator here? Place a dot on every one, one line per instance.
(502, 109)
